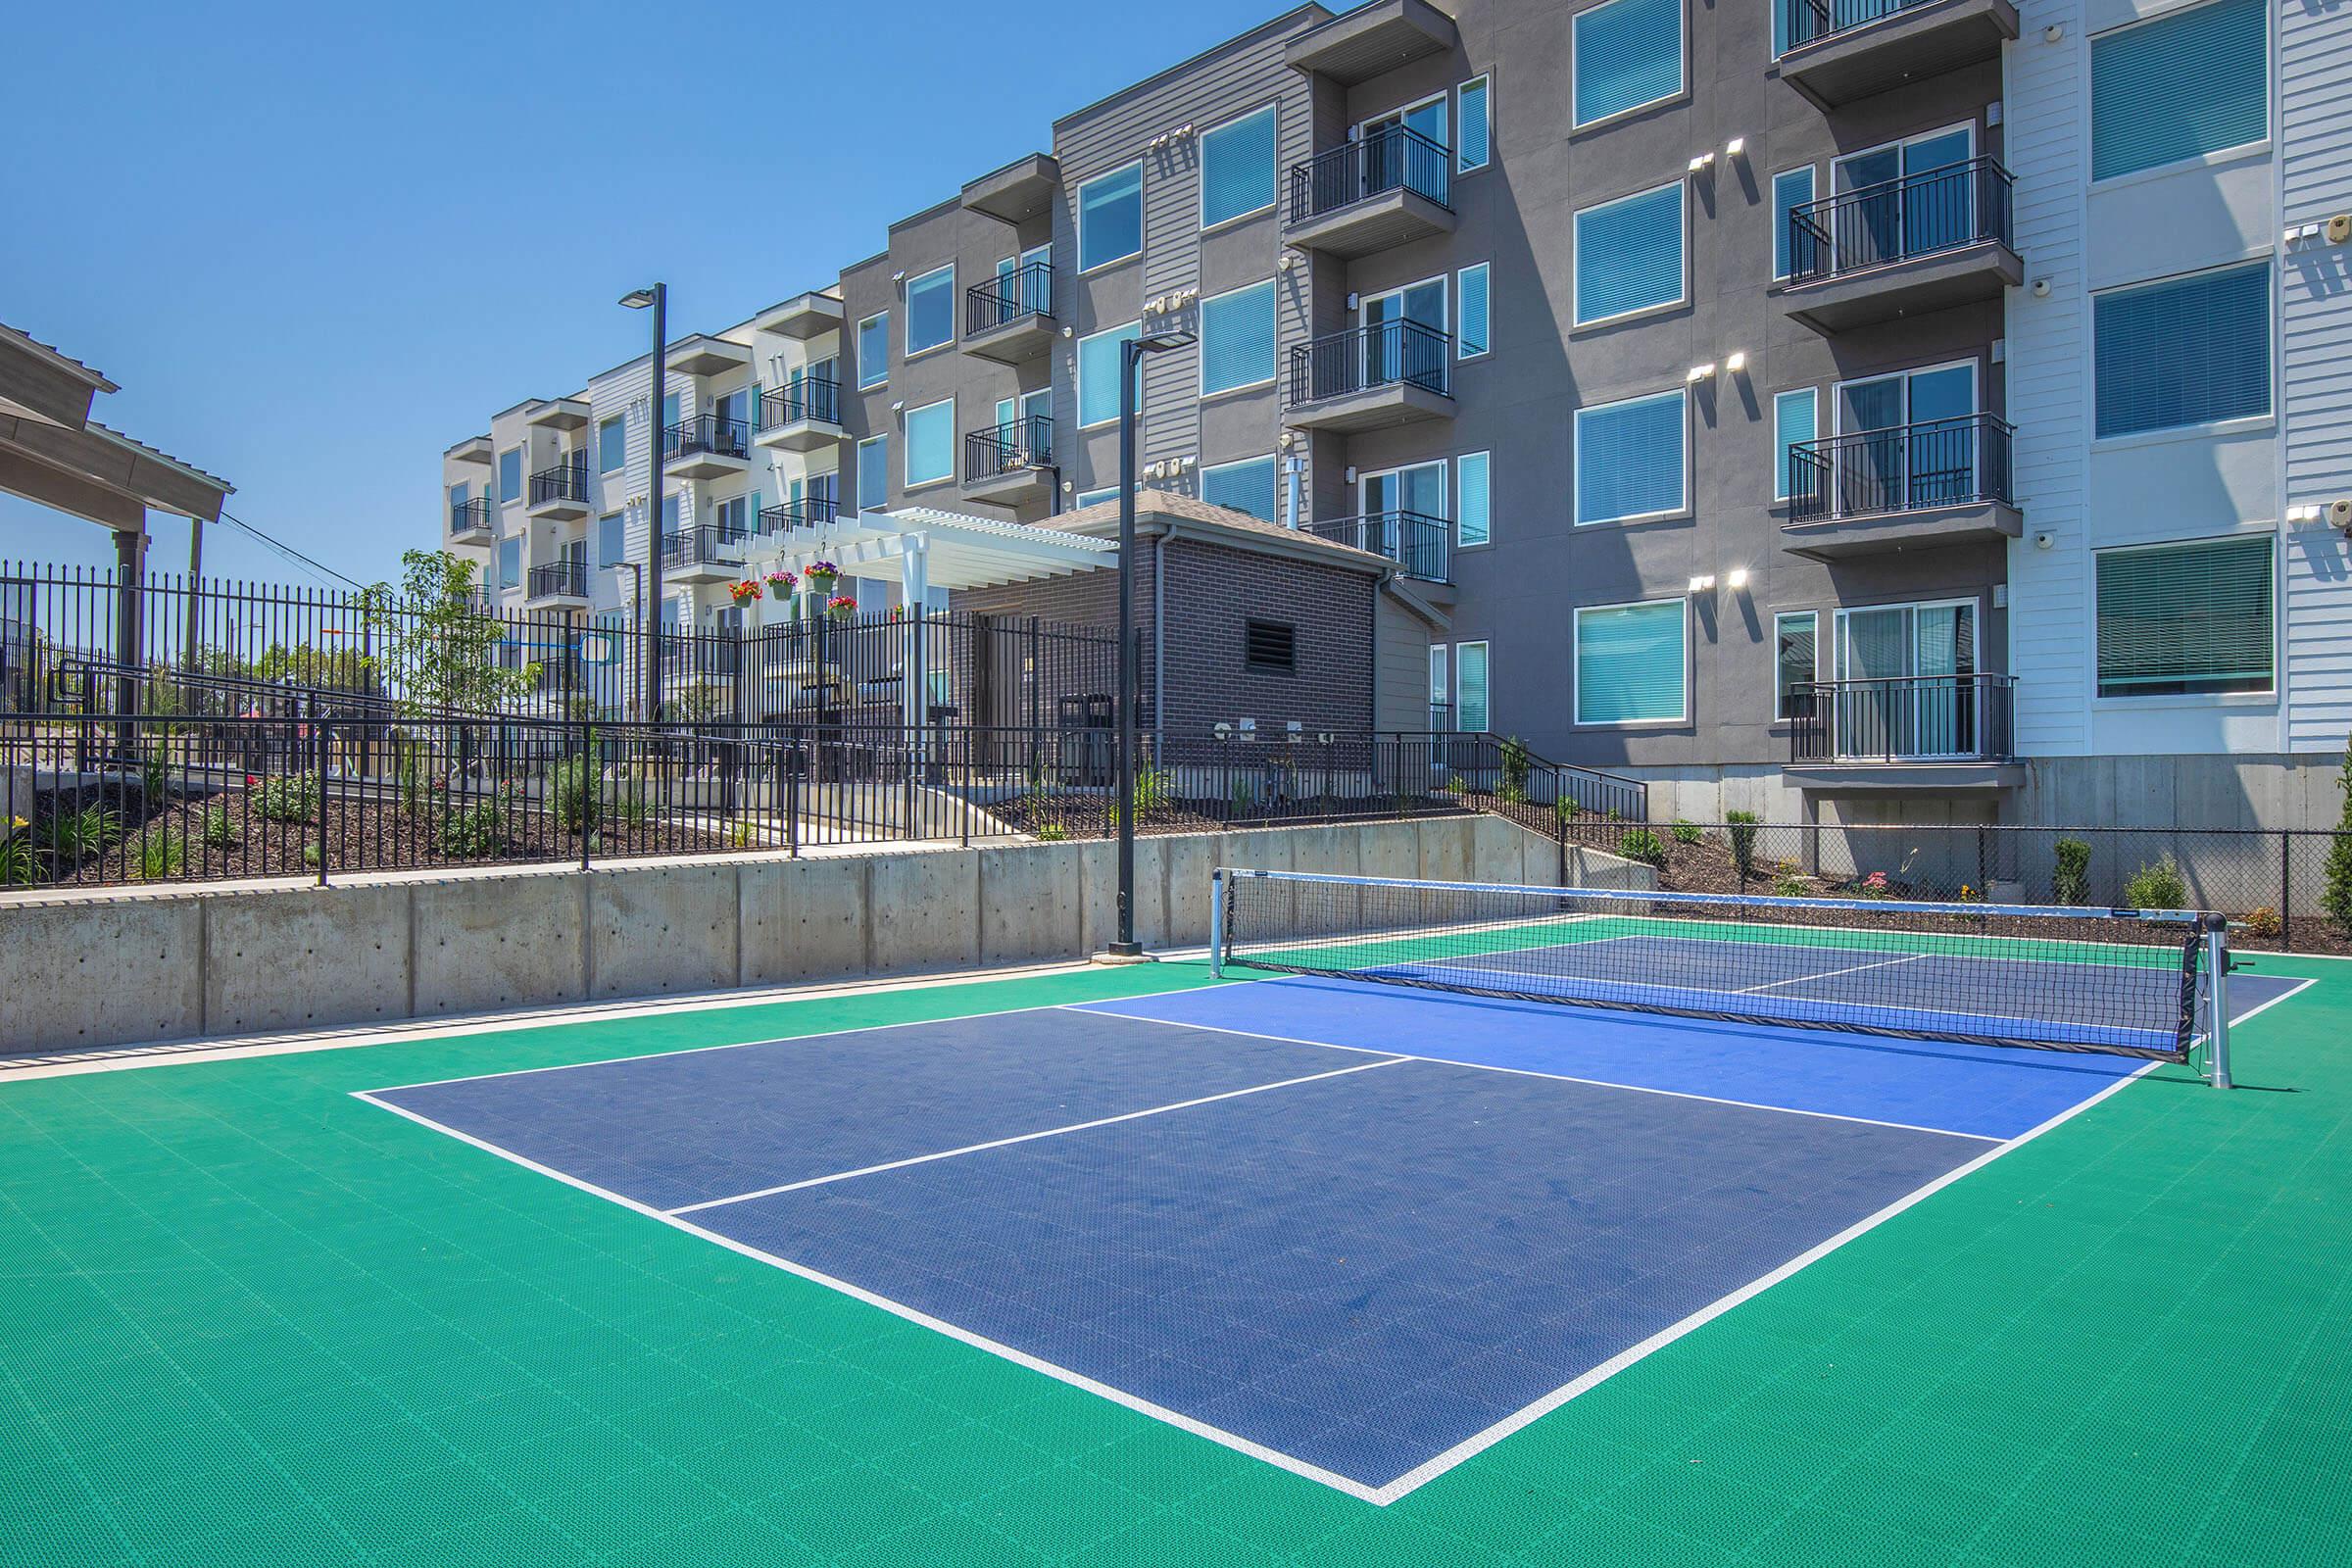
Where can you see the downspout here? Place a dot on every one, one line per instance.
(1159, 638)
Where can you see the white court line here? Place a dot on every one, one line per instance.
(2295, 989)
(1851, 968)
(1105, 1010)
(1023, 1137)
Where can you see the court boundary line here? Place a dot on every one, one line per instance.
(1388, 1060)
(1826, 974)
(1530, 1072)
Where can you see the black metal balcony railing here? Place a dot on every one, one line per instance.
(1945, 209)
(1908, 718)
(707, 544)
(812, 397)
(705, 432)
(1392, 158)
(809, 512)
(1811, 20)
(691, 657)
(1027, 290)
(1362, 358)
(566, 482)
(1415, 540)
(466, 516)
(559, 579)
(1908, 468)
(1017, 446)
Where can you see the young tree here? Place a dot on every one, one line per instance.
(441, 650)
(2336, 899)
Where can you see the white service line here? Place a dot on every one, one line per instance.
(1851, 968)
(1023, 1137)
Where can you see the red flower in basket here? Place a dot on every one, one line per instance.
(841, 607)
(744, 592)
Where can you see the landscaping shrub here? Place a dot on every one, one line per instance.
(163, 853)
(578, 795)
(2158, 885)
(1641, 844)
(2263, 924)
(1686, 832)
(67, 837)
(18, 866)
(1567, 809)
(1051, 832)
(1513, 753)
(218, 833)
(293, 798)
(2335, 895)
(1790, 883)
(1744, 826)
(472, 832)
(2070, 878)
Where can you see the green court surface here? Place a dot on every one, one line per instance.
(254, 1320)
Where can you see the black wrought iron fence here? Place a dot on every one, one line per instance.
(1413, 539)
(815, 398)
(566, 482)
(705, 432)
(1392, 158)
(1910, 718)
(1025, 290)
(1905, 467)
(1811, 20)
(1364, 358)
(1015, 445)
(1919, 215)
(476, 516)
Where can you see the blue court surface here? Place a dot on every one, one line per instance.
(1358, 1232)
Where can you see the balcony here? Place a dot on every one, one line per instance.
(1009, 318)
(472, 523)
(1415, 540)
(705, 552)
(1934, 733)
(809, 512)
(803, 316)
(1389, 373)
(1009, 463)
(557, 414)
(801, 416)
(1925, 242)
(704, 447)
(1020, 191)
(1842, 50)
(562, 584)
(473, 448)
(1387, 189)
(561, 494)
(1370, 40)
(1911, 487)
(706, 356)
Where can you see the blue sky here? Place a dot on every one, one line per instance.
(316, 244)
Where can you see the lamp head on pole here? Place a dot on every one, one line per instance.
(638, 299)
(1162, 342)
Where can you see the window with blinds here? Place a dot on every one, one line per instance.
(1628, 53)
(1110, 217)
(1237, 167)
(1098, 374)
(931, 309)
(873, 472)
(1470, 500)
(1237, 338)
(2180, 86)
(1630, 458)
(873, 350)
(1470, 707)
(1473, 146)
(2187, 618)
(1795, 639)
(1791, 188)
(931, 443)
(1795, 417)
(1269, 647)
(2186, 351)
(612, 445)
(1629, 664)
(1470, 286)
(1629, 254)
(1244, 486)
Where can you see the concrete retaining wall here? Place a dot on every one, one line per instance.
(123, 967)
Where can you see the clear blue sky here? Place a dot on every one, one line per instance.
(316, 244)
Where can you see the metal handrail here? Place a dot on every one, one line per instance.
(1018, 445)
(1905, 467)
(704, 544)
(1811, 20)
(706, 432)
(811, 397)
(1027, 290)
(467, 515)
(566, 482)
(1962, 204)
(1415, 540)
(1903, 719)
(809, 512)
(1383, 353)
(559, 578)
(1392, 158)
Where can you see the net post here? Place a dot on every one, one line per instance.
(2217, 994)
(1216, 923)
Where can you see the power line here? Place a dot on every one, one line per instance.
(288, 551)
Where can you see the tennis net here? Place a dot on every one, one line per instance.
(2131, 982)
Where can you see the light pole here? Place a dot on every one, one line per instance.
(638, 299)
(1131, 354)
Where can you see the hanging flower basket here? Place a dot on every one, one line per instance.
(779, 584)
(820, 574)
(841, 607)
(744, 592)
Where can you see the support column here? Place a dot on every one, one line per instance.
(130, 564)
(914, 586)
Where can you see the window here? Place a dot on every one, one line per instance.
(1629, 663)
(873, 350)
(1094, 498)
(670, 516)
(1236, 339)
(1795, 635)
(612, 541)
(2186, 619)
(2180, 86)
(613, 444)
(873, 473)
(1629, 254)
(1237, 169)
(930, 310)
(1110, 217)
(1470, 500)
(1269, 647)
(509, 475)
(1629, 458)
(1628, 53)
(1791, 189)
(510, 562)
(1795, 417)
(1475, 145)
(1099, 374)
(1470, 288)
(1244, 486)
(669, 411)
(931, 443)
(2186, 351)
(1470, 711)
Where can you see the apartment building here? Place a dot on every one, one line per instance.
(1853, 408)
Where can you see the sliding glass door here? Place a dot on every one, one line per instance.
(1906, 685)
